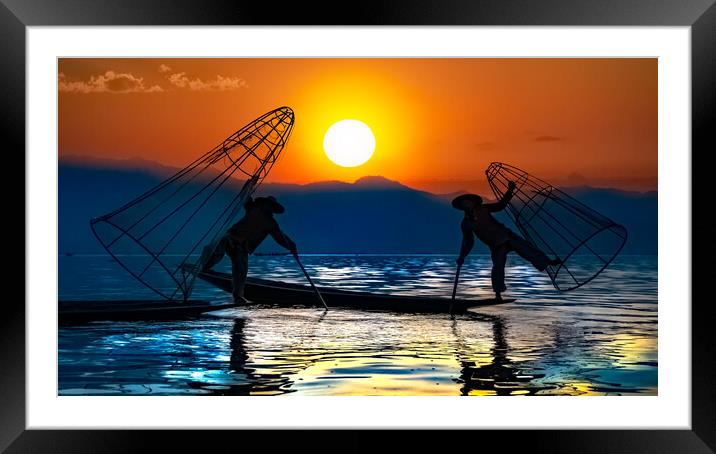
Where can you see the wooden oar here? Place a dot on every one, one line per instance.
(454, 287)
(310, 281)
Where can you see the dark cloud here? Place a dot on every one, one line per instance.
(548, 139)
(485, 146)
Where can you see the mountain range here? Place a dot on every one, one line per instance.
(371, 215)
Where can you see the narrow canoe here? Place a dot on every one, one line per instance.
(262, 291)
(96, 310)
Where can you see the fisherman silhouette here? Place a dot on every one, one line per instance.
(478, 221)
(242, 239)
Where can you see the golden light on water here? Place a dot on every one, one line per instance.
(629, 349)
(380, 376)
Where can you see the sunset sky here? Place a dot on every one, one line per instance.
(438, 123)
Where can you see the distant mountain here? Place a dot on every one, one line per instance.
(372, 215)
(362, 184)
(136, 164)
(378, 182)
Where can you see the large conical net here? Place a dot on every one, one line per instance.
(158, 236)
(561, 226)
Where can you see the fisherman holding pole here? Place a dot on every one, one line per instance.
(242, 239)
(478, 221)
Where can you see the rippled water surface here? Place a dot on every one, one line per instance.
(596, 340)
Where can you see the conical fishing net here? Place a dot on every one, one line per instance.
(561, 226)
(158, 236)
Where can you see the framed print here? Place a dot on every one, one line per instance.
(467, 223)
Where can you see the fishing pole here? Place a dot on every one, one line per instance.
(295, 255)
(454, 287)
(305, 273)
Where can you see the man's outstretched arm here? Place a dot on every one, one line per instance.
(502, 204)
(283, 239)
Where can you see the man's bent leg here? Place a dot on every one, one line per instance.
(239, 271)
(213, 253)
(524, 248)
(499, 258)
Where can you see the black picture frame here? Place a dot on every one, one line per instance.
(700, 15)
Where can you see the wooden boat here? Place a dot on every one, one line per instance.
(85, 311)
(262, 291)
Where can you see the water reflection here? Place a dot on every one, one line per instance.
(499, 376)
(601, 341)
(256, 383)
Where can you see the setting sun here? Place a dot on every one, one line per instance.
(349, 143)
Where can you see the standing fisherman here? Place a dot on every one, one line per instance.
(478, 221)
(244, 237)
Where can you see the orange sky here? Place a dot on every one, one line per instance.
(438, 123)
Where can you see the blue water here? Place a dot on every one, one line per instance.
(600, 339)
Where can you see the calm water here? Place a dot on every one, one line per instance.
(597, 340)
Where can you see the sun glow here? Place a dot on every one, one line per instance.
(349, 143)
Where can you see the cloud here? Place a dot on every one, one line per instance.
(109, 82)
(164, 69)
(548, 139)
(181, 80)
(485, 146)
